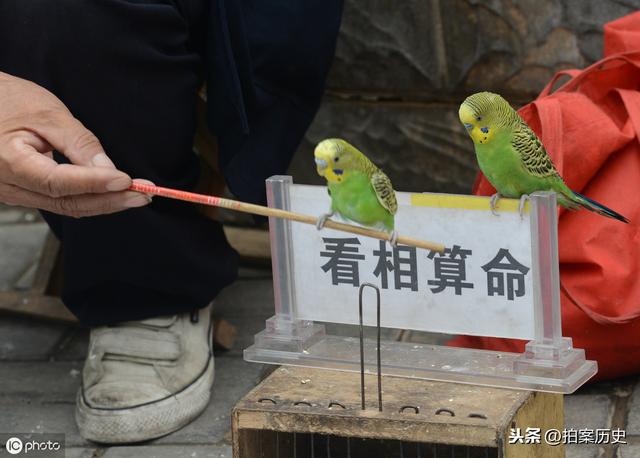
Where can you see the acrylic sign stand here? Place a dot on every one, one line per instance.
(549, 362)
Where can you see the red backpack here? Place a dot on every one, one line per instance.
(590, 127)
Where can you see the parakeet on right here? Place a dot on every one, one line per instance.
(512, 157)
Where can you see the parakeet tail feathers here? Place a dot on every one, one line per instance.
(594, 206)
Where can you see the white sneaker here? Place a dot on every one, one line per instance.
(144, 379)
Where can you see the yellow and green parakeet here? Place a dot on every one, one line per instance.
(359, 190)
(512, 157)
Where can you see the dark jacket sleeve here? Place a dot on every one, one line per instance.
(266, 68)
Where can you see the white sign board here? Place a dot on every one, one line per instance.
(482, 285)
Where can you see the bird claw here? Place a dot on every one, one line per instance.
(393, 239)
(322, 220)
(493, 202)
(523, 200)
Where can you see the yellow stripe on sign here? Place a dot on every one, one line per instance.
(465, 202)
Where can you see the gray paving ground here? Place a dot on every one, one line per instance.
(40, 364)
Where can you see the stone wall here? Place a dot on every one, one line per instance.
(402, 67)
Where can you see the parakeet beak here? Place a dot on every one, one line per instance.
(466, 116)
(321, 164)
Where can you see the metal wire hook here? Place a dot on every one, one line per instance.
(336, 403)
(360, 290)
(415, 409)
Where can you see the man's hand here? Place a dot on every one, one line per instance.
(33, 123)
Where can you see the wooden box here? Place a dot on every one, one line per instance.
(301, 412)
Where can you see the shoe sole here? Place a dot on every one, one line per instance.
(147, 421)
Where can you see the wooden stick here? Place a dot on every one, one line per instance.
(278, 213)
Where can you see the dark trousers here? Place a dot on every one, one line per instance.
(129, 70)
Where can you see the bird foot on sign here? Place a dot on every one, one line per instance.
(393, 239)
(493, 202)
(523, 201)
(322, 220)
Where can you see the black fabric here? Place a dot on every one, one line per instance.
(129, 70)
(276, 54)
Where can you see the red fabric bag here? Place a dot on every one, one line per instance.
(590, 127)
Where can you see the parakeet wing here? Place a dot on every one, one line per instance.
(384, 191)
(534, 157)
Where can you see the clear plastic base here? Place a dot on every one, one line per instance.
(543, 367)
(549, 363)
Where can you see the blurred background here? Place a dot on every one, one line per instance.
(402, 68)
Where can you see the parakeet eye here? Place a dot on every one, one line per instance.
(336, 159)
(479, 118)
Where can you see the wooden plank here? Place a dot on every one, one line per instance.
(224, 334)
(288, 386)
(246, 442)
(52, 308)
(46, 264)
(374, 426)
(541, 410)
(36, 305)
(253, 245)
(235, 434)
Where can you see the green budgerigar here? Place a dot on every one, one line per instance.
(512, 157)
(359, 190)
